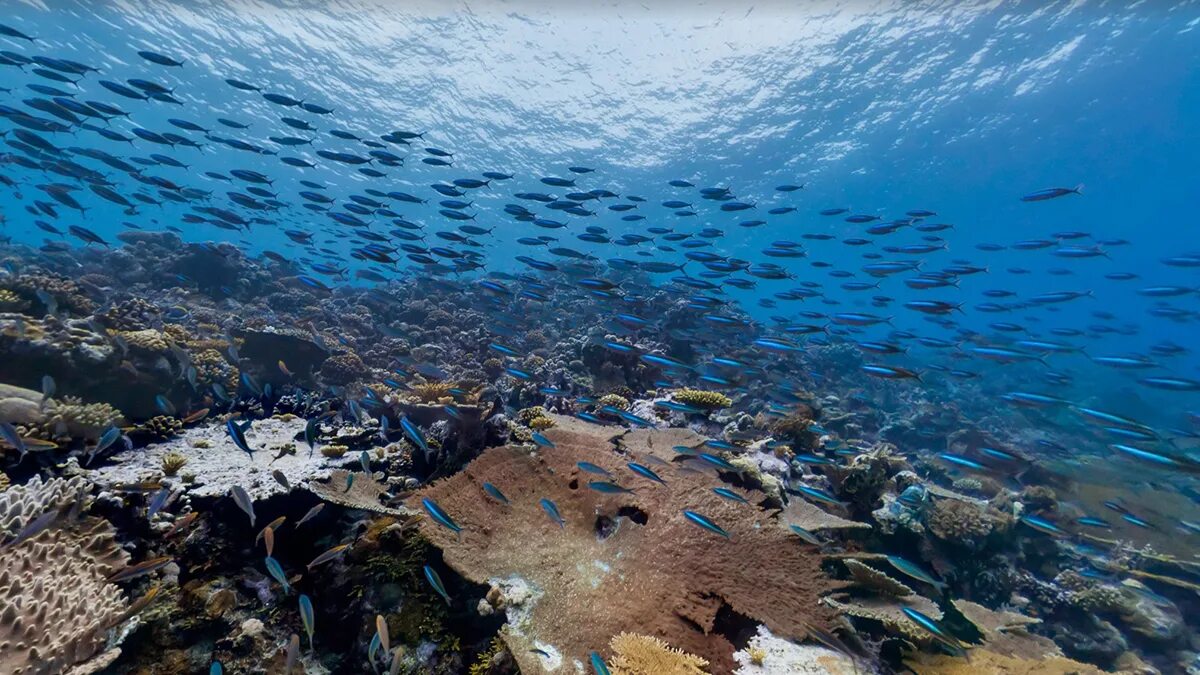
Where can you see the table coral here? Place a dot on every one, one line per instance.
(985, 661)
(650, 569)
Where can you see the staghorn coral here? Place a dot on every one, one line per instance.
(172, 462)
(72, 417)
(56, 605)
(645, 655)
(702, 399)
(591, 586)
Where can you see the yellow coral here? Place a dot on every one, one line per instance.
(483, 664)
(431, 392)
(527, 415)
(334, 451)
(615, 400)
(985, 661)
(646, 655)
(172, 462)
(11, 302)
(541, 423)
(703, 399)
(148, 340)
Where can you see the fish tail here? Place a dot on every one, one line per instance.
(1078, 189)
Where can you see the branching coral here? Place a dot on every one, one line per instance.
(212, 368)
(702, 399)
(72, 417)
(541, 423)
(965, 523)
(526, 415)
(11, 302)
(431, 392)
(595, 586)
(134, 314)
(645, 655)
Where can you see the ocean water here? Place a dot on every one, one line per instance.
(879, 108)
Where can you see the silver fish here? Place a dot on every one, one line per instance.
(243, 501)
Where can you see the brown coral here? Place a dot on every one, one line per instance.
(431, 392)
(589, 586)
(69, 416)
(645, 655)
(343, 369)
(364, 492)
(965, 523)
(134, 314)
(56, 605)
(65, 292)
(147, 339)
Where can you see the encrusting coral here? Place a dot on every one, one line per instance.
(645, 655)
(702, 399)
(590, 586)
(56, 604)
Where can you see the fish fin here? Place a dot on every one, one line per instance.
(1078, 189)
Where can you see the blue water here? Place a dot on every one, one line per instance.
(960, 108)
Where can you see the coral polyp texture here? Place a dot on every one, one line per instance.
(614, 564)
(56, 605)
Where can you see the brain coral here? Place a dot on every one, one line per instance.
(55, 604)
(622, 562)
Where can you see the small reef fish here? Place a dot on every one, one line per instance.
(551, 510)
(242, 499)
(307, 618)
(606, 487)
(807, 536)
(646, 472)
(435, 581)
(935, 630)
(381, 630)
(440, 517)
(1044, 526)
(281, 479)
(238, 434)
(140, 569)
(181, 524)
(312, 513)
(915, 572)
(276, 571)
(541, 441)
(706, 523)
(495, 493)
(328, 555)
(293, 654)
(598, 665)
(730, 495)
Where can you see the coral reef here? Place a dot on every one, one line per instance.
(702, 399)
(56, 605)
(591, 588)
(645, 655)
(767, 654)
